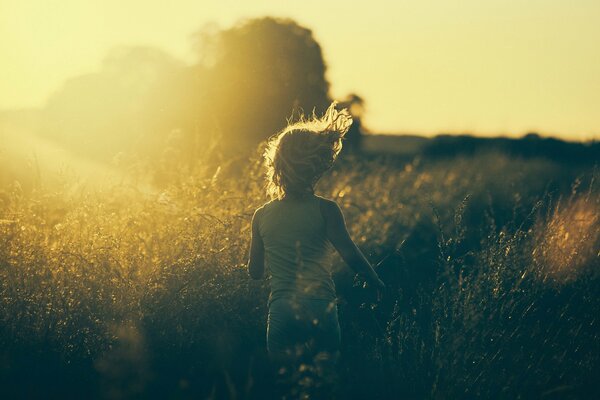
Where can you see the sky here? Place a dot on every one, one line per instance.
(493, 67)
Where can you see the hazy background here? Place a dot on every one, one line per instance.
(486, 68)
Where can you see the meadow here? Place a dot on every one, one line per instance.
(135, 290)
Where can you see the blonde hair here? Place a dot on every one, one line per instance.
(298, 156)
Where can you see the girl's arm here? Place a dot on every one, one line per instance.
(256, 261)
(338, 235)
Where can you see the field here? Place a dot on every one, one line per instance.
(136, 290)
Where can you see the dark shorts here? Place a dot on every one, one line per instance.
(303, 327)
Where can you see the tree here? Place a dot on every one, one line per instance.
(356, 105)
(249, 79)
(115, 109)
(261, 72)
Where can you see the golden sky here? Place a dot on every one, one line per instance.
(477, 66)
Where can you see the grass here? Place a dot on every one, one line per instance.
(491, 263)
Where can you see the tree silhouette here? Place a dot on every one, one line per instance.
(249, 79)
(261, 72)
(102, 113)
(353, 137)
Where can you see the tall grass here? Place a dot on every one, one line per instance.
(491, 263)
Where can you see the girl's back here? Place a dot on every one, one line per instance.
(297, 251)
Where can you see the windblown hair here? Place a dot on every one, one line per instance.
(298, 156)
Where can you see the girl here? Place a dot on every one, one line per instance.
(295, 234)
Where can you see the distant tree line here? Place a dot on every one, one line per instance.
(530, 146)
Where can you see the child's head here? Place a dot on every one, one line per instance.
(297, 156)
